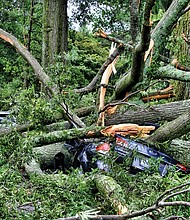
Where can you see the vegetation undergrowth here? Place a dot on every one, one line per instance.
(56, 195)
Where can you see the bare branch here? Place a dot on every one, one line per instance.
(102, 34)
(174, 217)
(142, 212)
(170, 190)
(123, 101)
(176, 193)
(187, 9)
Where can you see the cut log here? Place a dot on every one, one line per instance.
(154, 114)
(47, 153)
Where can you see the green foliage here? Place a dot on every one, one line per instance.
(103, 14)
(52, 196)
(33, 108)
(15, 19)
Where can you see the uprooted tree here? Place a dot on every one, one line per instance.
(146, 55)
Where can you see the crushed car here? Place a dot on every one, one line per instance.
(88, 155)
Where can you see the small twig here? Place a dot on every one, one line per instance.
(174, 194)
(186, 9)
(102, 34)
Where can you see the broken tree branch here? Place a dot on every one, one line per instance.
(92, 86)
(138, 63)
(158, 204)
(173, 129)
(41, 76)
(170, 72)
(102, 34)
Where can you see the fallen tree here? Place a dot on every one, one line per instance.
(47, 145)
(155, 113)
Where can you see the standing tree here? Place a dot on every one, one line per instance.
(55, 30)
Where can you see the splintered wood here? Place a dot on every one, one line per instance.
(104, 82)
(132, 130)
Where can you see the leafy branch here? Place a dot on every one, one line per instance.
(160, 203)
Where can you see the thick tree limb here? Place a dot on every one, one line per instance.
(40, 75)
(167, 22)
(175, 63)
(173, 129)
(138, 63)
(170, 72)
(112, 192)
(58, 136)
(154, 114)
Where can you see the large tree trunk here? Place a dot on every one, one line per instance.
(153, 114)
(182, 89)
(55, 30)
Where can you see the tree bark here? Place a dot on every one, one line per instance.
(57, 136)
(154, 114)
(173, 129)
(55, 30)
(180, 150)
(169, 72)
